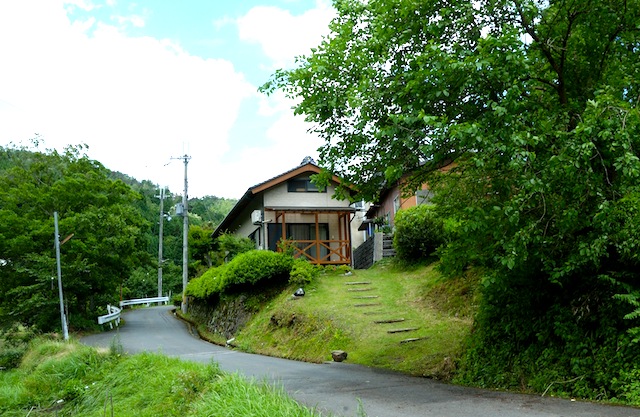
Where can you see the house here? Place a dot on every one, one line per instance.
(379, 220)
(391, 200)
(290, 206)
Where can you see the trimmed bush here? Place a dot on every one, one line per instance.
(255, 266)
(245, 270)
(303, 272)
(208, 284)
(419, 232)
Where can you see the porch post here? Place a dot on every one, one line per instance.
(319, 260)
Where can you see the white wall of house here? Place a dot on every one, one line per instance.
(279, 196)
(242, 226)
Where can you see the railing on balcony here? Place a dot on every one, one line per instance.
(314, 245)
(323, 252)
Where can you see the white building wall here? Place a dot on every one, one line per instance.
(279, 196)
(242, 226)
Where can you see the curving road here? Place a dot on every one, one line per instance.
(339, 387)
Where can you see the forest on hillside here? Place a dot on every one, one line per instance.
(109, 223)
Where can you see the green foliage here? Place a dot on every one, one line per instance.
(303, 272)
(201, 246)
(99, 212)
(419, 232)
(210, 210)
(142, 283)
(14, 342)
(287, 246)
(256, 266)
(569, 343)
(537, 103)
(66, 378)
(246, 270)
(211, 283)
(231, 245)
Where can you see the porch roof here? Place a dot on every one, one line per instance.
(293, 209)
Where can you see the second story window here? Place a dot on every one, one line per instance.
(302, 185)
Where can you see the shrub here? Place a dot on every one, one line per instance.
(303, 272)
(14, 343)
(419, 232)
(254, 266)
(10, 356)
(208, 284)
(245, 270)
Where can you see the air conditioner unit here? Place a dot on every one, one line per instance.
(256, 217)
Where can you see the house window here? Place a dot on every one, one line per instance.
(424, 196)
(303, 185)
(396, 204)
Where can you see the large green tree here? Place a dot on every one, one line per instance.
(100, 213)
(536, 102)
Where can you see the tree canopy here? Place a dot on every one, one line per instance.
(536, 103)
(112, 221)
(97, 211)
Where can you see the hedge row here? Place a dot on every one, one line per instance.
(245, 270)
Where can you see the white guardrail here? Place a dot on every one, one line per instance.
(114, 312)
(144, 301)
(113, 315)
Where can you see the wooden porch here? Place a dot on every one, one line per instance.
(331, 242)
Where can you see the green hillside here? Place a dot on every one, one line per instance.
(404, 319)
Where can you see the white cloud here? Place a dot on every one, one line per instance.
(139, 101)
(134, 101)
(133, 20)
(81, 4)
(283, 36)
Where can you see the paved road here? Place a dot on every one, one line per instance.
(338, 387)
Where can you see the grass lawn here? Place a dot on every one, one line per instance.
(58, 378)
(406, 319)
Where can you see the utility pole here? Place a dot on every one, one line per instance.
(65, 331)
(160, 243)
(185, 236)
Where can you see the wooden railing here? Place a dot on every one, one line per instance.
(336, 249)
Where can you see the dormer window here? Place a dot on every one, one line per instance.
(303, 185)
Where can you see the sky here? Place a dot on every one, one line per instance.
(145, 83)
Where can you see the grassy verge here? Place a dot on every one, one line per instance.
(69, 379)
(356, 313)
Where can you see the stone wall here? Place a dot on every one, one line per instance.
(226, 318)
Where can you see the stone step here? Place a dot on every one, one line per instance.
(373, 313)
(407, 329)
(360, 289)
(413, 339)
(367, 305)
(389, 321)
(362, 297)
(358, 283)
